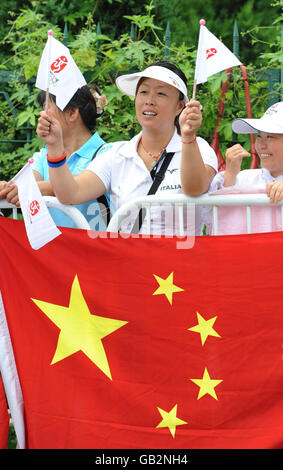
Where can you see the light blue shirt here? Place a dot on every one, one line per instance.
(77, 162)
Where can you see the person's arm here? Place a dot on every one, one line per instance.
(196, 176)
(68, 189)
(233, 157)
(10, 190)
(45, 187)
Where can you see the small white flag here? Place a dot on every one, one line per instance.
(58, 72)
(212, 55)
(39, 224)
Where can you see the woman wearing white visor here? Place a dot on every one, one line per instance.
(127, 169)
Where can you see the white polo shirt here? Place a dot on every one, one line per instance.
(126, 177)
(248, 179)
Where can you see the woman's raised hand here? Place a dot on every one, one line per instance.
(49, 130)
(190, 119)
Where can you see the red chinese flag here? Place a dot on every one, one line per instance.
(4, 418)
(133, 343)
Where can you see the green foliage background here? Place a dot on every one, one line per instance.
(133, 35)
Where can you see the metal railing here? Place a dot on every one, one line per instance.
(178, 200)
(181, 200)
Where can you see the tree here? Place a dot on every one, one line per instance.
(184, 16)
(101, 58)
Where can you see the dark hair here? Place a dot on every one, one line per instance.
(177, 71)
(83, 100)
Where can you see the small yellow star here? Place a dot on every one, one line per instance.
(204, 327)
(206, 385)
(166, 287)
(170, 420)
(79, 329)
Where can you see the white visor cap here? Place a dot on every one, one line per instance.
(271, 122)
(128, 83)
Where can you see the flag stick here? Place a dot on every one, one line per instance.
(50, 33)
(194, 90)
(202, 23)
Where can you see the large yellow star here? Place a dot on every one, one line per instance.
(170, 420)
(166, 287)
(206, 385)
(80, 330)
(204, 327)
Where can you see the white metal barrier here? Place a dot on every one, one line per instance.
(147, 202)
(52, 202)
(181, 200)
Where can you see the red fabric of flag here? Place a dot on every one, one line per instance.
(133, 343)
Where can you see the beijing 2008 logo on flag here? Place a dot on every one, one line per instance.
(211, 52)
(34, 207)
(59, 64)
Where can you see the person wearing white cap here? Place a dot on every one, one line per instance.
(268, 178)
(127, 169)
(269, 147)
